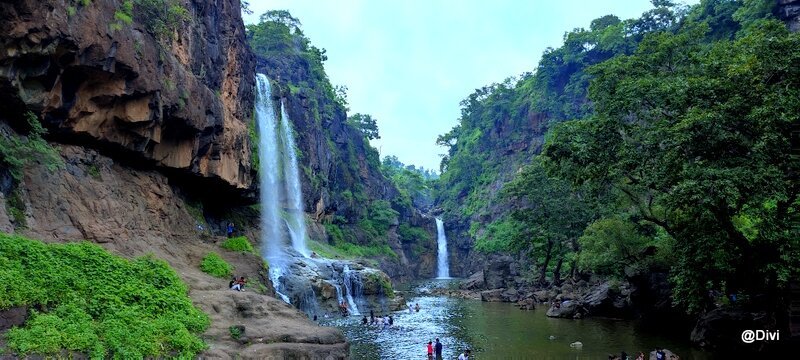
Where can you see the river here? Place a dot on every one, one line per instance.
(501, 331)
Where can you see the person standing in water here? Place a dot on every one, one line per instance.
(438, 349)
(430, 350)
(464, 355)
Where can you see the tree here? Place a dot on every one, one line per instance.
(366, 124)
(696, 136)
(547, 220)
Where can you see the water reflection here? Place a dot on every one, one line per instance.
(499, 331)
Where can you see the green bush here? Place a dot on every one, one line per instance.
(215, 265)
(239, 243)
(92, 302)
(16, 151)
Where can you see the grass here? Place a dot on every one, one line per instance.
(85, 300)
(239, 243)
(215, 265)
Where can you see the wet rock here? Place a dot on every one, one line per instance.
(566, 309)
(527, 304)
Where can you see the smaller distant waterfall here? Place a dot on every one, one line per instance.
(352, 285)
(294, 194)
(443, 265)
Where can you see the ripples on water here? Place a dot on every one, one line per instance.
(498, 331)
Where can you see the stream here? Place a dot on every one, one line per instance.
(500, 331)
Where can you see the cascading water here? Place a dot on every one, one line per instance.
(442, 263)
(268, 162)
(352, 285)
(294, 194)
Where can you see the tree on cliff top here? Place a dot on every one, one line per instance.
(366, 124)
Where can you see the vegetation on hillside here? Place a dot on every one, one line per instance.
(83, 299)
(364, 216)
(665, 144)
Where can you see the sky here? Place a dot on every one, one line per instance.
(409, 63)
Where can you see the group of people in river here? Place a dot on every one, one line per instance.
(383, 322)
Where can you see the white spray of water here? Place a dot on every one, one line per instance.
(294, 193)
(442, 263)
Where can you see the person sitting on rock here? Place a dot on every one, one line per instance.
(238, 285)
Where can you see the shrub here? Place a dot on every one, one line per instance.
(16, 151)
(215, 265)
(239, 243)
(92, 302)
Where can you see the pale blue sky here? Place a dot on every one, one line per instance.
(409, 63)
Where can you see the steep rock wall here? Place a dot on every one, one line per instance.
(179, 104)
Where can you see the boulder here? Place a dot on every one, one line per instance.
(510, 295)
(474, 282)
(526, 304)
(566, 309)
(497, 270)
(608, 299)
(495, 295)
(667, 354)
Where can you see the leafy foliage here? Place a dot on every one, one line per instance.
(239, 243)
(215, 265)
(365, 124)
(92, 302)
(698, 142)
(676, 125)
(16, 151)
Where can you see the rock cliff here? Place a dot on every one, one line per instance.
(178, 101)
(341, 172)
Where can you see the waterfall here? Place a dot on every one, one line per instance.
(443, 266)
(268, 161)
(294, 194)
(352, 285)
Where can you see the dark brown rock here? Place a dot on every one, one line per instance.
(182, 105)
(15, 316)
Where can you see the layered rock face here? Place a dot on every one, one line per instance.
(181, 104)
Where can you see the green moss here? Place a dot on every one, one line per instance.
(89, 301)
(239, 243)
(215, 265)
(93, 171)
(16, 208)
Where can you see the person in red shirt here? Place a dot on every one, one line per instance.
(430, 350)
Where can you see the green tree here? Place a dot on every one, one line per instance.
(696, 136)
(366, 124)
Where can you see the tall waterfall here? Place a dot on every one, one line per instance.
(294, 194)
(442, 263)
(268, 161)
